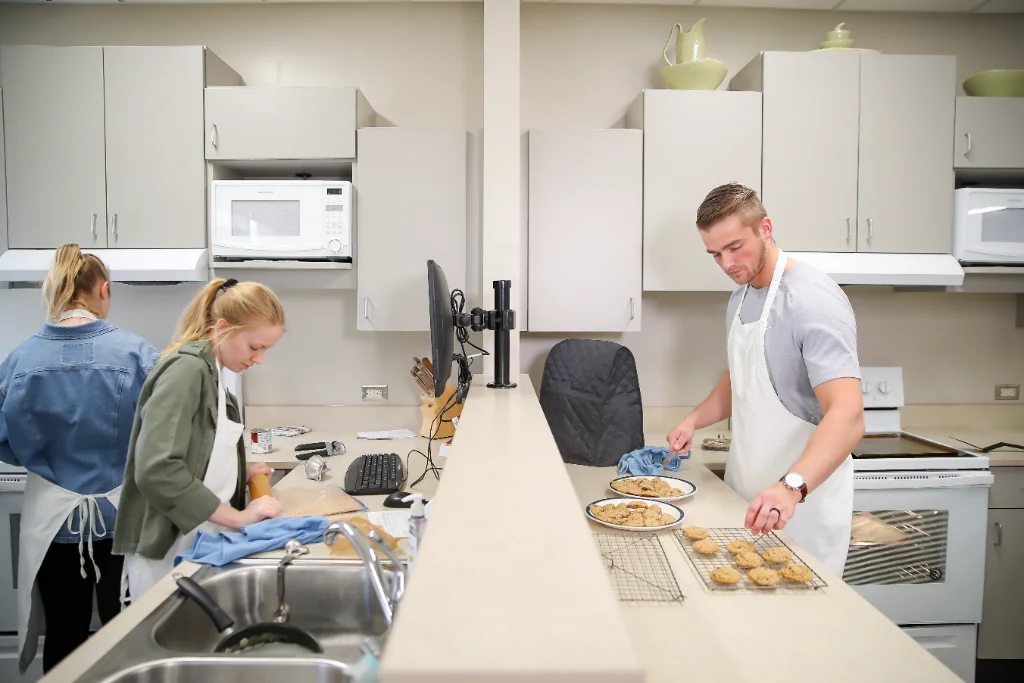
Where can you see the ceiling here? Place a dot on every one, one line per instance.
(954, 6)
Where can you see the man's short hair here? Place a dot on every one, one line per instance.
(730, 200)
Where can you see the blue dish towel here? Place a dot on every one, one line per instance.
(227, 546)
(649, 461)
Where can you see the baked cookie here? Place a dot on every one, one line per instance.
(726, 575)
(741, 546)
(695, 533)
(777, 555)
(763, 576)
(705, 547)
(749, 560)
(797, 573)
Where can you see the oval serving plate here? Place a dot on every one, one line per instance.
(688, 488)
(676, 513)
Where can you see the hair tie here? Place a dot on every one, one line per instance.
(228, 284)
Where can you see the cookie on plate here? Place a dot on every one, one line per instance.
(705, 547)
(797, 573)
(695, 533)
(726, 575)
(763, 576)
(749, 560)
(778, 555)
(741, 546)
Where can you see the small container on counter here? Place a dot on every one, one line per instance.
(261, 441)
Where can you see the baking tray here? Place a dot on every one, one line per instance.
(705, 564)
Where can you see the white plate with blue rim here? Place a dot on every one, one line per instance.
(671, 511)
(685, 487)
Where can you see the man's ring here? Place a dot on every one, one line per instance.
(777, 511)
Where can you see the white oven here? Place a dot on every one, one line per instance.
(988, 226)
(917, 545)
(305, 220)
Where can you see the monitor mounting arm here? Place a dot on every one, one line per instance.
(499, 320)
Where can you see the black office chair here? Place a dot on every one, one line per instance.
(590, 394)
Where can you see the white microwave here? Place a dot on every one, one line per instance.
(988, 226)
(306, 220)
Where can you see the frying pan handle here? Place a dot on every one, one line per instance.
(193, 590)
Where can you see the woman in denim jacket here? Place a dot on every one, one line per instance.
(67, 401)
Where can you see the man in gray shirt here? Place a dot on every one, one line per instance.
(793, 385)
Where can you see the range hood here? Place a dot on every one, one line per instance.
(125, 265)
(895, 270)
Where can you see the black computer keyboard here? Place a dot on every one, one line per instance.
(374, 474)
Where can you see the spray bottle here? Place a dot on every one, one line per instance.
(417, 522)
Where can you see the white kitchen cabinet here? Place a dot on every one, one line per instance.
(585, 230)
(694, 141)
(989, 133)
(905, 186)
(156, 173)
(53, 127)
(410, 196)
(857, 151)
(249, 123)
(105, 145)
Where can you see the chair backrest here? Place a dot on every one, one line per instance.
(590, 394)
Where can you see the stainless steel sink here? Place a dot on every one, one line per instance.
(332, 600)
(226, 670)
(334, 603)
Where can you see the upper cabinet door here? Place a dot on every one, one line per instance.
(249, 122)
(53, 125)
(809, 182)
(694, 141)
(586, 230)
(989, 132)
(156, 172)
(907, 105)
(410, 189)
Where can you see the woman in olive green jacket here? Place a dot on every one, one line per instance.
(186, 466)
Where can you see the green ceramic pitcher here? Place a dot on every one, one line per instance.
(689, 44)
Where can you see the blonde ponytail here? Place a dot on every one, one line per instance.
(240, 304)
(72, 275)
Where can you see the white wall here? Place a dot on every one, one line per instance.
(420, 64)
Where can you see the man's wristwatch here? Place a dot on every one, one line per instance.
(795, 482)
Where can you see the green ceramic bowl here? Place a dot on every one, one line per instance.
(700, 74)
(996, 83)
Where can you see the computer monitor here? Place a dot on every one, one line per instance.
(442, 327)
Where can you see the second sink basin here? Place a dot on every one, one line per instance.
(270, 670)
(334, 603)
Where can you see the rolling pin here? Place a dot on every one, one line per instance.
(259, 486)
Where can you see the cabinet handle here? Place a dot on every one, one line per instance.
(366, 308)
(630, 308)
(849, 230)
(113, 224)
(968, 152)
(213, 135)
(92, 226)
(871, 229)
(999, 534)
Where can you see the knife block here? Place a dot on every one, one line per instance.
(429, 409)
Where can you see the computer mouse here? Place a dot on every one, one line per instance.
(395, 500)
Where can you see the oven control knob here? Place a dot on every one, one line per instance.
(883, 387)
(334, 245)
(865, 388)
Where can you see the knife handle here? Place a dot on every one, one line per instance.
(310, 446)
(306, 455)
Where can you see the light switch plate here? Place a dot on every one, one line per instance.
(1007, 392)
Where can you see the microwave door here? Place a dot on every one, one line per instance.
(997, 232)
(266, 225)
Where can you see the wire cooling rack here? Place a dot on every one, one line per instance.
(638, 567)
(705, 564)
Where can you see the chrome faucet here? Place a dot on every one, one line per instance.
(387, 597)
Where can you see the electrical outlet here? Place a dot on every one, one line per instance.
(1007, 392)
(375, 393)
